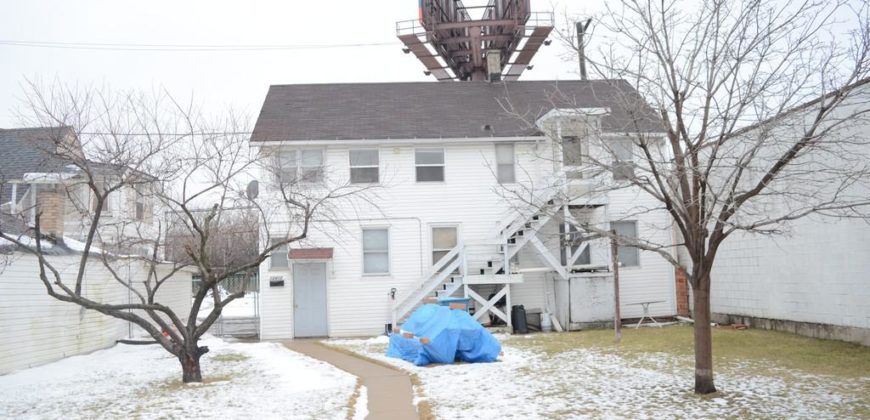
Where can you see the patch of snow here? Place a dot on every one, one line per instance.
(585, 383)
(79, 246)
(27, 241)
(241, 380)
(362, 404)
(244, 307)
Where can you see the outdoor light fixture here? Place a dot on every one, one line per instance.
(548, 42)
(427, 72)
(406, 50)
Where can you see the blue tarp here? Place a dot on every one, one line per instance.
(453, 335)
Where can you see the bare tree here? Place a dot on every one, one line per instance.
(166, 158)
(744, 119)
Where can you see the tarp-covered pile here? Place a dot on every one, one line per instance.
(449, 335)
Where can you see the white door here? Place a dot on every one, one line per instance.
(309, 300)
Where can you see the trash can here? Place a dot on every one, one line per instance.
(518, 318)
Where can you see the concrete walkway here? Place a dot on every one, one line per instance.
(390, 395)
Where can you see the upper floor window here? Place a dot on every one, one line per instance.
(429, 165)
(299, 165)
(573, 149)
(364, 166)
(505, 163)
(623, 159)
(628, 255)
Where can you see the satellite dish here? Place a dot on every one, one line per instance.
(253, 190)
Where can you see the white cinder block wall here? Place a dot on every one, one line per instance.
(38, 329)
(469, 198)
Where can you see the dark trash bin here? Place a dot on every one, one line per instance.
(518, 318)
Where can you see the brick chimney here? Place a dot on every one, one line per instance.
(51, 205)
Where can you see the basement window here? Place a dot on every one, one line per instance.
(376, 251)
(364, 166)
(429, 165)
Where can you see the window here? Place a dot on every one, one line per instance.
(299, 165)
(629, 256)
(572, 156)
(141, 209)
(364, 166)
(430, 165)
(443, 241)
(504, 157)
(279, 257)
(311, 166)
(376, 251)
(623, 159)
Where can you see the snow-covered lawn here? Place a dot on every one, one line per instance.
(241, 380)
(539, 380)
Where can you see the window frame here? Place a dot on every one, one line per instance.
(376, 166)
(432, 248)
(286, 248)
(364, 252)
(622, 248)
(442, 165)
(622, 169)
(512, 164)
(283, 166)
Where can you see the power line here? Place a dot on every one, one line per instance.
(182, 47)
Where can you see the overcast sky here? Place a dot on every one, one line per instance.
(223, 78)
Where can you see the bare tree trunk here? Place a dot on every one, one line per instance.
(191, 371)
(703, 339)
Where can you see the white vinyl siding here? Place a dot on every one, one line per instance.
(364, 168)
(376, 251)
(429, 165)
(505, 163)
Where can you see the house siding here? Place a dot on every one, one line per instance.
(469, 198)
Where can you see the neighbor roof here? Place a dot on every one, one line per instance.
(24, 150)
(440, 110)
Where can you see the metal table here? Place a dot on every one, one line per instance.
(646, 314)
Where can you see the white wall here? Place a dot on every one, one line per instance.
(38, 329)
(818, 274)
(819, 271)
(469, 198)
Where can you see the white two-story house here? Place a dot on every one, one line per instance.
(463, 194)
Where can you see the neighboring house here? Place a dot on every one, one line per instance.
(449, 167)
(814, 280)
(34, 177)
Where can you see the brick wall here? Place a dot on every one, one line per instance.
(51, 208)
(682, 292)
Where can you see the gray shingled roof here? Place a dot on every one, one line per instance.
(24, 150)
(438, 110)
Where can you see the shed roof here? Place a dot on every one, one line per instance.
(440, 110)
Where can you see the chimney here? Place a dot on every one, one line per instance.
(50, 205)
(493, 65)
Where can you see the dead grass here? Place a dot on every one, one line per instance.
(354, 399)
(230, 357)
(730, 347)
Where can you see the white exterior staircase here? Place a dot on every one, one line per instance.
(484, 262)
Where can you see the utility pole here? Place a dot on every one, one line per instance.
(614, 259)
(581, 46)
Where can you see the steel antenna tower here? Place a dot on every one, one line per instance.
(455, 46)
